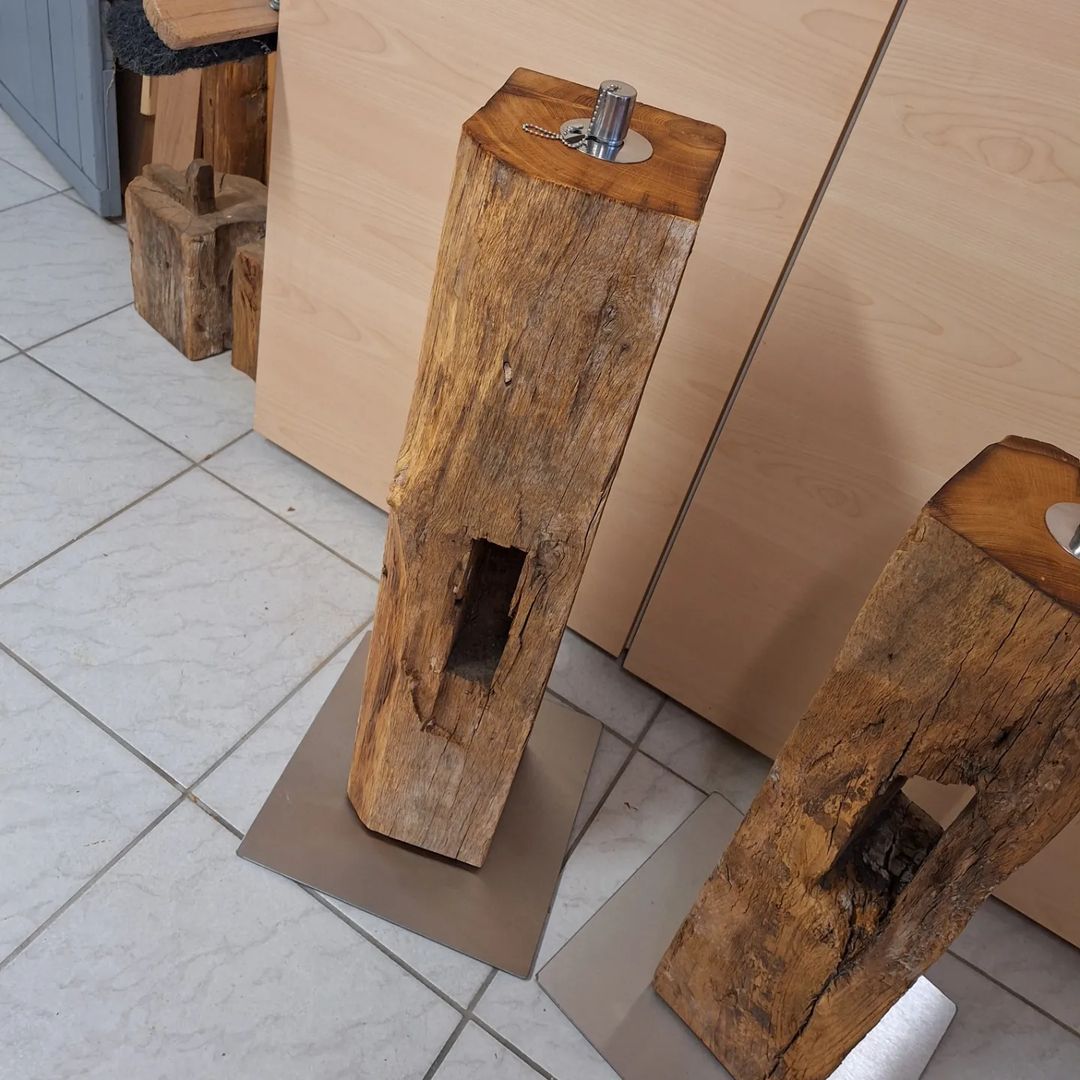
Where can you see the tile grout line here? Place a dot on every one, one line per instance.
(89, 884)
(563, 700)
(25, 349)
(292, 525)
(685, 779)
(516, 1051)
(223, 447)
(447, 1046)
(83, 711)
(469, 1016)
(105, 405)
(26, 172)
(1013, 993)
(190, 467)
(344, 644)
(183, 792)
(324, 902)
(618, 776)
(29, 202)
(182, 788)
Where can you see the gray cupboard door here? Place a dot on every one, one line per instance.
(57, 82)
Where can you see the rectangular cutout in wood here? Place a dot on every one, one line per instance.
(491, 581)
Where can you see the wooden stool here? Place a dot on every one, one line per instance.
(837, 891)
(555, 277)
(184, 231)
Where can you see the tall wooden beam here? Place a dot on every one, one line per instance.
(963, 667)
(555, 277)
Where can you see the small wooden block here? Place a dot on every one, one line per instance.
(176, 118)
(247, 297)
(184, 230)
(837, 892)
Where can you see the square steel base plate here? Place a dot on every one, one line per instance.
(308, 831)
(602, 977)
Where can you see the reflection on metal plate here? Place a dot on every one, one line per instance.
(602, 977)
(1063, 521)
(308, 831)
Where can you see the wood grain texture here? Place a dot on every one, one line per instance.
(555, 278)
(234, 117)
(357, 206)
(183, 231)
(177, 136)
(837, 892)
(931, 311)
(182, 24)
(271, 85)
(247, 275)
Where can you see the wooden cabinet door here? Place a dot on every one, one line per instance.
(57, 84)
(932, 310)
(371, 98)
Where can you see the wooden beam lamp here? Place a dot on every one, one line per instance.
(570, 220)
(963, 667)
(564, 242)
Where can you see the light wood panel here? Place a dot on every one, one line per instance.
(932, 311)
(372, 95)
(176, 118)
(184, 23)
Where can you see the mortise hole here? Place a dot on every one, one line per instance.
(491, 580)
(897, 832)
(943, 802)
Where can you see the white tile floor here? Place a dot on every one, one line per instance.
(176, 598)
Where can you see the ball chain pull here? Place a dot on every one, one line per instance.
(607, 134)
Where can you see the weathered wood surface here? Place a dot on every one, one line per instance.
(182, 24)
(555, 277)
(837, 892)
(247, 300)
(183, 231)
(235, 100)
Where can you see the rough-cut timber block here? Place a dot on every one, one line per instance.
(837, 891)
(184, 229)
(555, 276)
(247, 277)
(234, 114)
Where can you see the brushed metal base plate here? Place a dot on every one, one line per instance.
(602, 977)
(308, 831)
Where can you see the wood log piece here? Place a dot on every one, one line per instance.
(184, 230)
(555, 277)
(177, 133)
(837, 892)
(148, 95)
(234, 117)
(247, 297)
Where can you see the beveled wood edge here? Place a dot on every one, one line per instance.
(684, 149)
